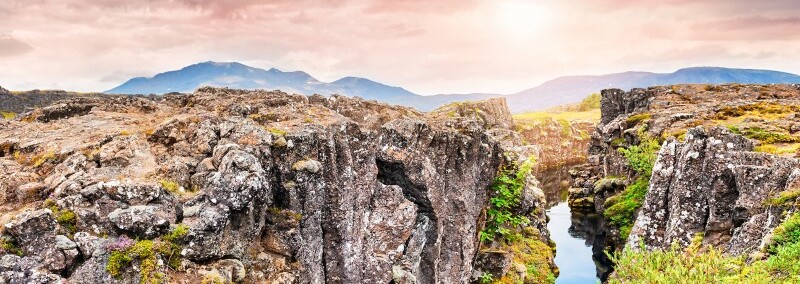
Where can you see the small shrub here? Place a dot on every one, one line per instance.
(486, 278)
(501, 220)
(64, 217)
(7, 245)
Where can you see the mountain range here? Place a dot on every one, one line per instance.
(555, 92)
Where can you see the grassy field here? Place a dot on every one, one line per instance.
(591, 115)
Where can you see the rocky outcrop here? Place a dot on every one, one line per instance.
(725, 152)
(255, 186)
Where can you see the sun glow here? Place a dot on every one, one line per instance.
(522, 19)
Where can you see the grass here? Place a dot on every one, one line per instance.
(710, 265)
(779, 149)
(767, 136)
(591, 115)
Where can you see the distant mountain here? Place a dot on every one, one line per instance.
(572, 89)
(237, 75)
(558, 91)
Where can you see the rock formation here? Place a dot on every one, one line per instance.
(255, 187)
(726, 152)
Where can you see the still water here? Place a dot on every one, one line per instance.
(579, 235)
(573, 254)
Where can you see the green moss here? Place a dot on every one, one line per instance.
(147, 253)
(276, 131)
(170, 186)
(48, 156)
(535, 255)
(144, 252)
(768, 137)
(621, 209)
(784, 198)
(7, 114)
(566, 128)
(636, 118)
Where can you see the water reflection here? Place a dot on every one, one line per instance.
(579, 235)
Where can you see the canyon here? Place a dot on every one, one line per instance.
(238, 186)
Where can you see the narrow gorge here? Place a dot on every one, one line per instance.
(235, 186)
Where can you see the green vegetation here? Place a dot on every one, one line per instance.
(510, 231)
(591, 115)
(566, 128)
(639, 117)
(47, 156)
(7, 114)
(7, 245)
(710, 265)
(276, 131)
(64, 217)
(621, 208)
(589, 103)
(501, 220)
(768, 137)
(784, 198)
(213, 278)
(170, 186)
(779, 149)
(147, 253)
(486, 278)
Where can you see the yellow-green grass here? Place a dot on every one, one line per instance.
(592, 115)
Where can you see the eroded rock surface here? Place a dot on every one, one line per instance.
(726, 152)
(252, 186)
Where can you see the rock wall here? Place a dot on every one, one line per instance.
(713, 174)
(251, 186)
(558, 142)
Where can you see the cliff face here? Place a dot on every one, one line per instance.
(253, 186)
(558, 142)
(723, 154)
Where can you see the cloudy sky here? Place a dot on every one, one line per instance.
(428, 47)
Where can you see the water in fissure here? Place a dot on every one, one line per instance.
(574, 232)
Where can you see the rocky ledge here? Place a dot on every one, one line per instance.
(264, 187)
(669, 164)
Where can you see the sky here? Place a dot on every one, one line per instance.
(427, 47)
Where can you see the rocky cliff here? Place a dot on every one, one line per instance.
(264, 187)
(671, 163)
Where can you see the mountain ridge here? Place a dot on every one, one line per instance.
(558, 91)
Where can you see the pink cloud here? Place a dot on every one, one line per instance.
(427, 46)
